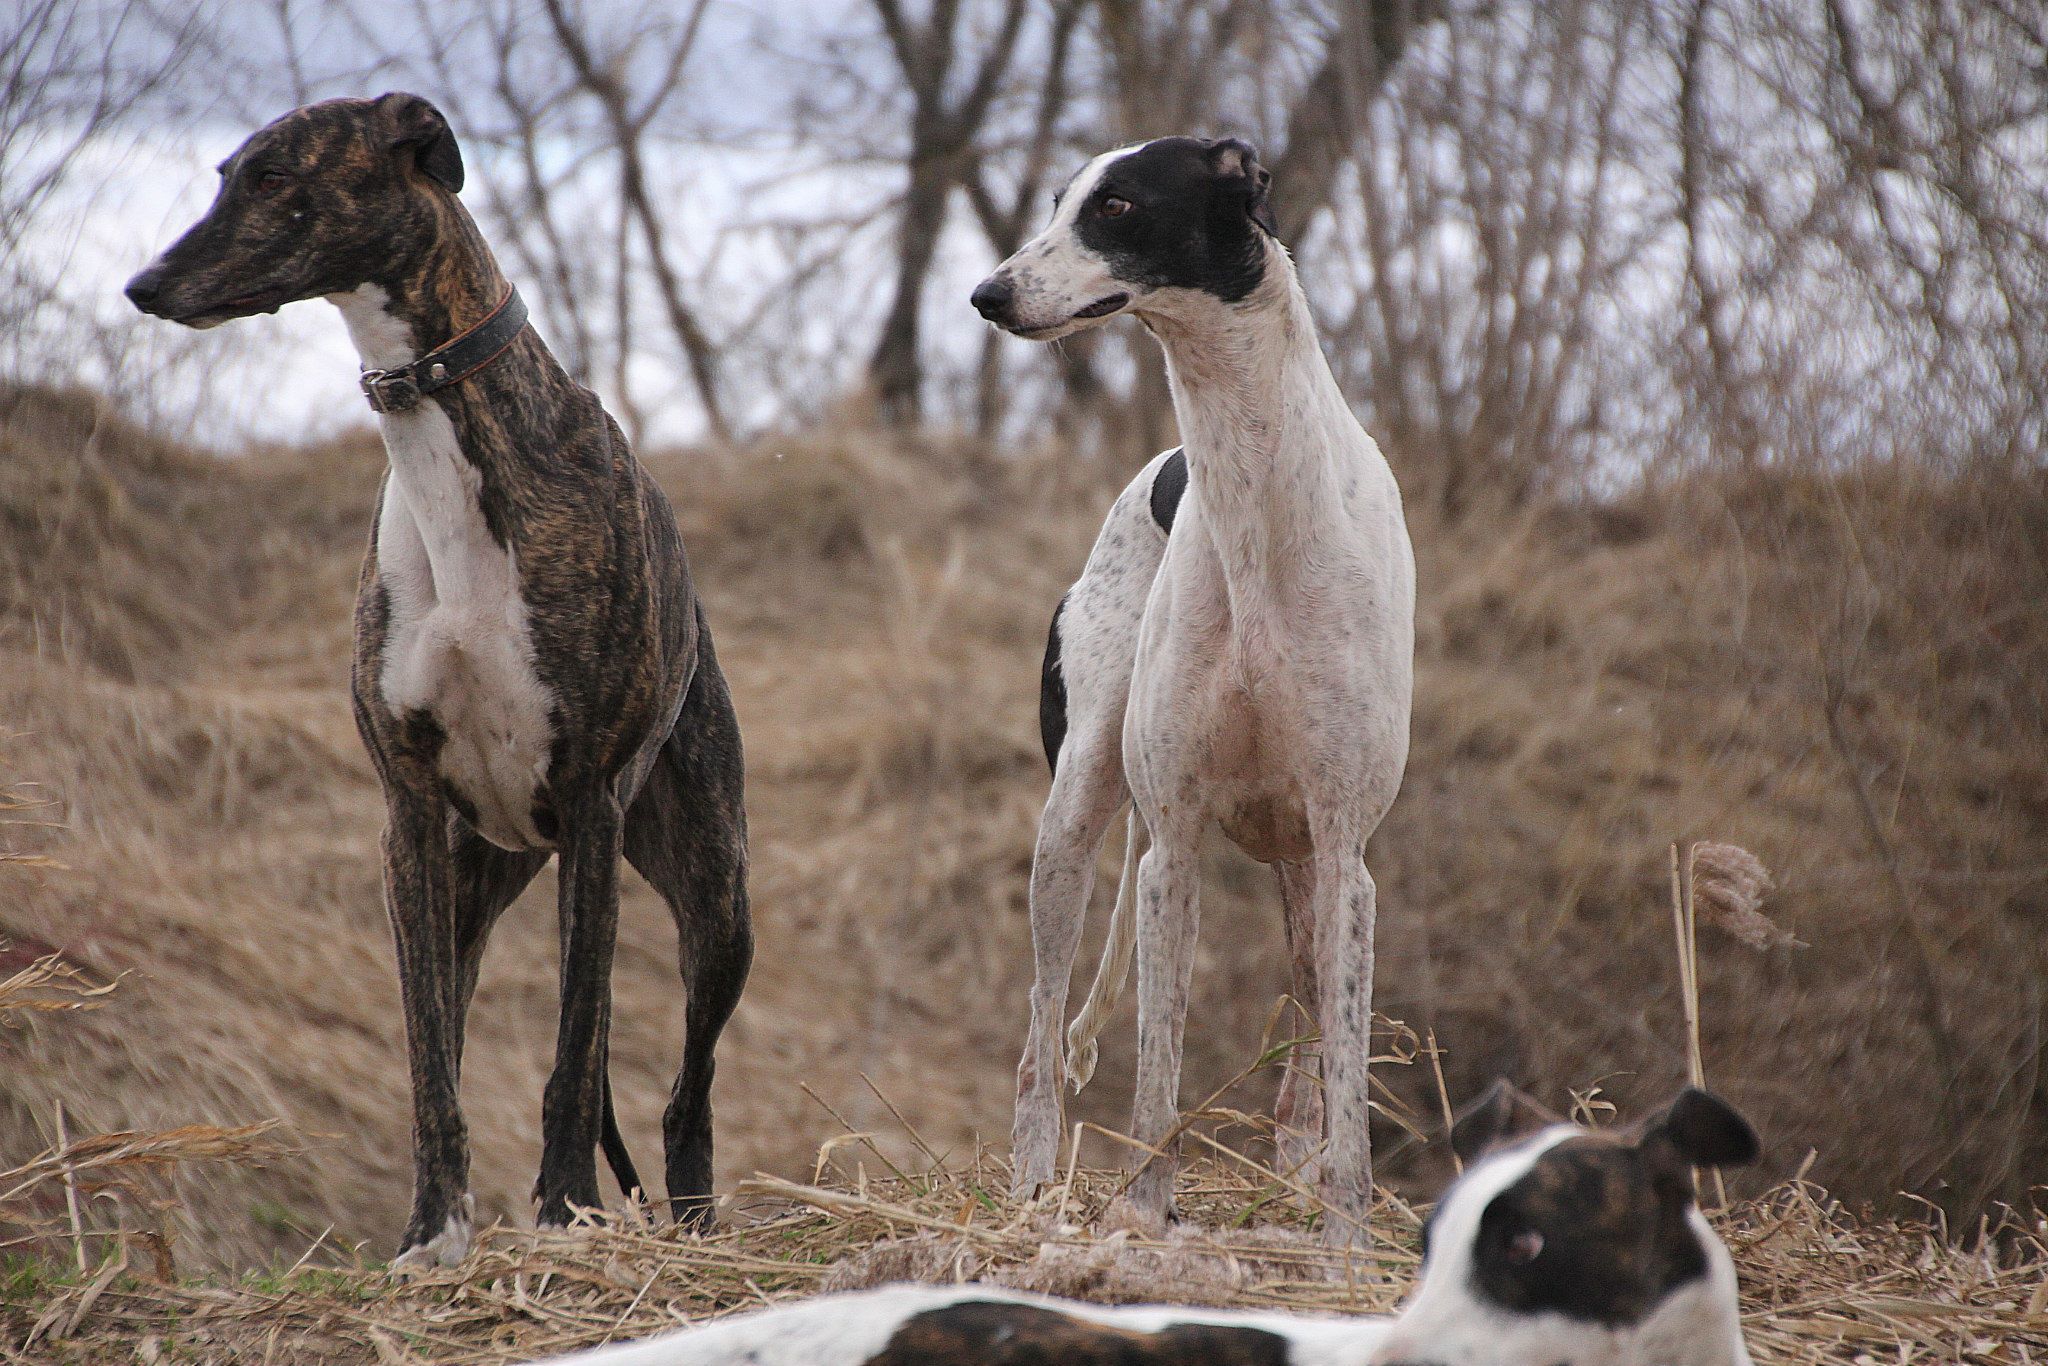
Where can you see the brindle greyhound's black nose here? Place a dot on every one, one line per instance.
(143, 289)
(992, 298)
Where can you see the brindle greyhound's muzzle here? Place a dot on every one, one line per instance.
(158, 290)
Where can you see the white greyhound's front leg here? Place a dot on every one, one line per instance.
(1345, 913)
(1169, 913)
(1087, 789)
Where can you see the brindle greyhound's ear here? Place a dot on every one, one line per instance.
(1699, 1129)
(418, 127)
(1234, 159)
(1501, 1116)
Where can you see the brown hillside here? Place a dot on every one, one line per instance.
(1847, 675)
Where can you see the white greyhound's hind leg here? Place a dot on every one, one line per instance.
(1086, 792)
(1298, 1111)
(1114, 970)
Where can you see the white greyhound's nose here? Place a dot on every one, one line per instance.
(992, 298)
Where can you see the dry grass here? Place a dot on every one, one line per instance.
(1847, 675)
(1817, 1285)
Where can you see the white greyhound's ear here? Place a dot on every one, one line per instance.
(1501, 1116)
(421, 129)
(1236, 161)
(1699, 1129)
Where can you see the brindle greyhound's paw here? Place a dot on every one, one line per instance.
(445, 1250)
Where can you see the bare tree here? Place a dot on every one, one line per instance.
(944, 122)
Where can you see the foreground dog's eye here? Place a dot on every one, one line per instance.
(1113, 207)
(1525, 1247)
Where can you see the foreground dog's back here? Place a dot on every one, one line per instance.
(1556, 1245)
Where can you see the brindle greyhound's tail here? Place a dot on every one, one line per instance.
(1115, 969)
(614, 1145)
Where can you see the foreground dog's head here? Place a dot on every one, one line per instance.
(1134, 229)
(325, 199)
(1560, 1245)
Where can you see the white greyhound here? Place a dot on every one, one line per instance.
(1557, 1245)
(1253, 668)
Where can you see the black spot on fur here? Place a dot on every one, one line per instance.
(1607, 1225)
(993, 1333)
(1196, 221)
(1052, 693)
(1167, 487)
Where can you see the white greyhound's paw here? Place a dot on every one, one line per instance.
(1081, 1056)
(445, 1250)
(1128, 1216)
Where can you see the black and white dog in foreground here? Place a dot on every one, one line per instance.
(1251, 668)
(1560, 1247)
(533, 674)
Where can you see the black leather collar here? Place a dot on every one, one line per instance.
(394, 391)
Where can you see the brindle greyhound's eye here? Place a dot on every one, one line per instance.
(1113, 207)
(272, 180)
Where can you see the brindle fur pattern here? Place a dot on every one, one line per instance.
(644, 756)
(994, 1333)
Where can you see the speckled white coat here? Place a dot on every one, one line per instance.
(1261, 680)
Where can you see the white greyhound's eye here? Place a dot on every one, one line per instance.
(1525, 1247)
(1113, 207)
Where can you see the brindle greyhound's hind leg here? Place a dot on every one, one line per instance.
(574, 1098)
(686, 833)
(483, 881)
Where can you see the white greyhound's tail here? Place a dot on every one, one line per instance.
(1115, 969)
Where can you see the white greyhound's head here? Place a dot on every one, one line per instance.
(1564, 1247)
(1138, 229)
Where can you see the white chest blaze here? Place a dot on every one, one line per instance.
(457, 643)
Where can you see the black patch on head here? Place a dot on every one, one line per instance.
(1596, 1231)
(993, 1333)
(1052, 693)
(1167, 487)
(1198, 217)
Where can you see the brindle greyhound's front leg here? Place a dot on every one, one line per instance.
(417, 896)
(590, 848)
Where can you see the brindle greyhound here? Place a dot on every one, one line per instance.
(532, 669)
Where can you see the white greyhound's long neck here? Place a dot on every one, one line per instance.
(1264, 425)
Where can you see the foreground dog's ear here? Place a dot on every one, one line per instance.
(1502, 1115)
(418, 127)
(1235, 160)
(1699, 1129)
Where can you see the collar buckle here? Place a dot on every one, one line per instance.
(391, 391)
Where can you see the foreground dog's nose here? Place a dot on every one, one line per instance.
(992, 297)
(143, 289)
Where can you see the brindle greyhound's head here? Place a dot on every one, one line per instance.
(1134, 231)
(326, 199)
(1565, 1247)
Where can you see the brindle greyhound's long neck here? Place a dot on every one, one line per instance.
(436, 295)
(1263, 423)
(451, 287)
